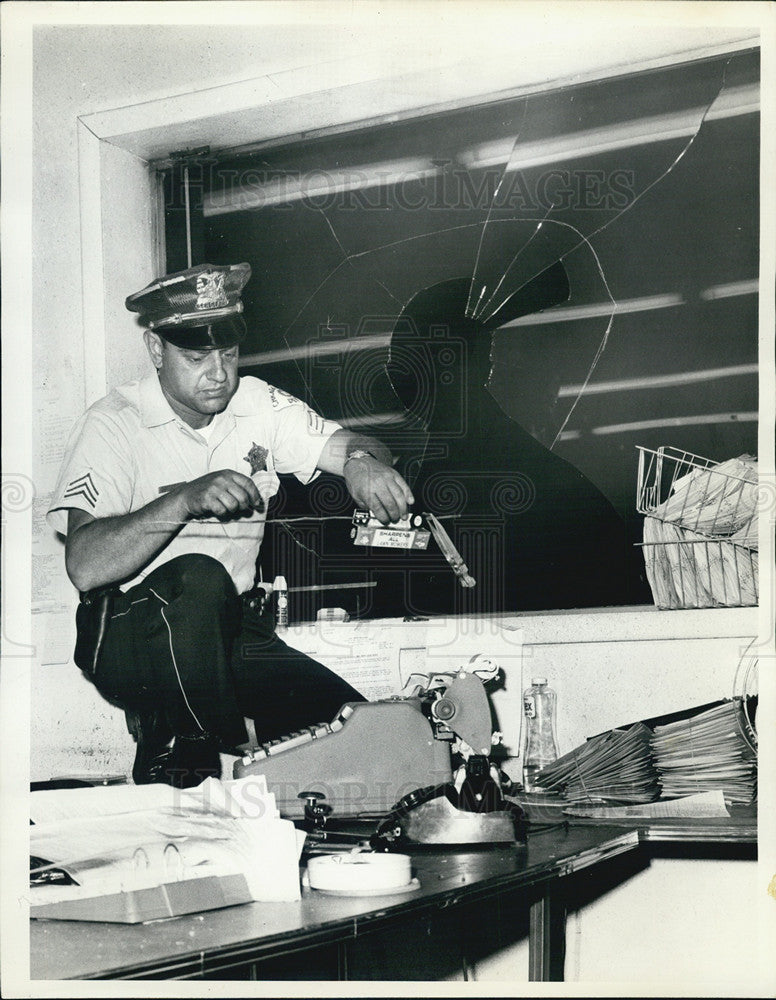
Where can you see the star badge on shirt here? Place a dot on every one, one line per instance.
(257, 458)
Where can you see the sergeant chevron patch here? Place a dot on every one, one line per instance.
(83, 487)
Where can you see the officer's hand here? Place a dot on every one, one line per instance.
(378, 488)
(219, 494)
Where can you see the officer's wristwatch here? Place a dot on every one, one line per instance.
(357, 453)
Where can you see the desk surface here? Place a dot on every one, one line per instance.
(185, 947)
(712, 830)
(740, 827)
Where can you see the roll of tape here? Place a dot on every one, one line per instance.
(359, 872)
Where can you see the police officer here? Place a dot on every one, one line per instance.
(162, 496)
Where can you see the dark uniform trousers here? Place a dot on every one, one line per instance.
(185, 642)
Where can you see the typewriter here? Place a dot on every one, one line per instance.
(374, 753)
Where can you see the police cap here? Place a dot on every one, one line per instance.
(196, 308)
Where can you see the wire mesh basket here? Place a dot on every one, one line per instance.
(700, 539)
(715, 499)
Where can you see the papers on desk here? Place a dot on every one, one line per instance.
(711, 751)
(614, 767)
(705, 805)
(128, 838)
(58, 804)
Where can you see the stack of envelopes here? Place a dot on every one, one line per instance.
(614, 767)
(710, 751)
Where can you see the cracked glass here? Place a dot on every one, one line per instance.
(563, 272)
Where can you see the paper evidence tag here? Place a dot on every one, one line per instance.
(359, 872)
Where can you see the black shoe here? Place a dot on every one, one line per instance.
(155, 744)
(163, 758)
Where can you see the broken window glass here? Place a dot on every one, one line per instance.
(513, 296)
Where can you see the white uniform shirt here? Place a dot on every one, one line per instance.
(130, 448)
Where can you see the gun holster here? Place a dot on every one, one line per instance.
(92, 619)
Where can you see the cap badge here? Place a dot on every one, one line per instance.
(257, 458)
(210, 290)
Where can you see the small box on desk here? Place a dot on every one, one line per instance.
(137, 906)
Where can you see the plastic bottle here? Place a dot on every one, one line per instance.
(280, 590)
(540, 747)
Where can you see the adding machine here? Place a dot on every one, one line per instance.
(406, 757)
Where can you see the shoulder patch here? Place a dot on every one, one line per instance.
(280, 398)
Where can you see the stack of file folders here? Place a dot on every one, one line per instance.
(715, 749)
(134, 853)
(616, 766)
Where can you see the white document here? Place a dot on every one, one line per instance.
(62, 804)
(361, 657)
(704, 805)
